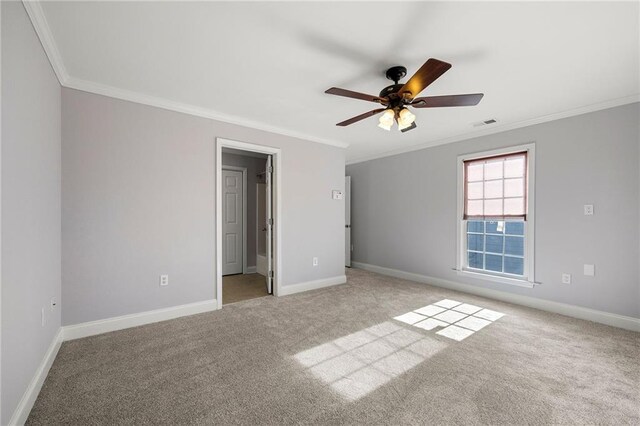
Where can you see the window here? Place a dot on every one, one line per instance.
(496, 216)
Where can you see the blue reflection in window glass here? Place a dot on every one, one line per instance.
(514, 246)
(475, 260)
(491, 240)
(475, 226)
(494, 263)
(514, 265)
(494, 228)
(475, 242)
(515, 228)
(494, 244)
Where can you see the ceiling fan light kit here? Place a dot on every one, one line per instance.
(397, 97)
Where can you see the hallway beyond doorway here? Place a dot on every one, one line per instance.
(236, 288)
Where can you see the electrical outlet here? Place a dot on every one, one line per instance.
(588, 209)
(164, 280)
(54, 303)
(566, 278)
(315, 261)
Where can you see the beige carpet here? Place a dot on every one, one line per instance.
(337, 356)
(236, 288)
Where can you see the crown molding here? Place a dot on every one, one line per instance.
(503, 128)
(136, 97)
(41, 26)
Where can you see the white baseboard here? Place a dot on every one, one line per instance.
(312, 285)
(251, 270)
(615, 320)
(25, 405)
(92, 328)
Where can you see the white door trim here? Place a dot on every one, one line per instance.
(277, 182)
(244, 212)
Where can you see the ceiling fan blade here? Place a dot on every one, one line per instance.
(447, 101)
(427, 74)
(355, 95)
(360, 117)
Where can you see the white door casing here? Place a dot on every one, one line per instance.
(269, 209)
(232, 222)
(277, 179)
(347, 221)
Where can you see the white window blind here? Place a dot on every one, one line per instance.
(496, 187)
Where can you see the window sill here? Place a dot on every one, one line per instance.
(496, 278)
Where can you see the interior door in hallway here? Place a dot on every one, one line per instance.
(232, 219)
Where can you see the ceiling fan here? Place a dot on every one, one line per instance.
(397, 97)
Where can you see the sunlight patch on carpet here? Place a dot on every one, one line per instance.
(460, 320)
(361, 362)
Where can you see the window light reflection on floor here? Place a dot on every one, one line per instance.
(459, 320)
(359, 363)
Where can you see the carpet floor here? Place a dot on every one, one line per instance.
(239, 287)
(338, 356)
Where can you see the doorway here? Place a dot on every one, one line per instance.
(247, 225)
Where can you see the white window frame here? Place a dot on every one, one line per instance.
(528, 278)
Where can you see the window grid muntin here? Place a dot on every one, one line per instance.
(503, 158)
(484, 253)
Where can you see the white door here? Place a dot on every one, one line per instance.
(232, 222)
(347, 221)
(269, 197)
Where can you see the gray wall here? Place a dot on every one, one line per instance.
(254, 166)
(138, 201)
(404, 209)
(30, 204)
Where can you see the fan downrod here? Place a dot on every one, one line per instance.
(396, 73)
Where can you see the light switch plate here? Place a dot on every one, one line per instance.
(589, 270)
(588, 209)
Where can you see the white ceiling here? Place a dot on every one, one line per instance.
(267, 64)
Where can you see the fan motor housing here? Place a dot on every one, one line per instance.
(389, 90)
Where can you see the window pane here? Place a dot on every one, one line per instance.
(495, 227)
(493, 189)
(474, 208)
(493, 170)
(476, 260)
(474, 191)
(475, 242)
(514, 187)
(494, 263)
(515, 228)
(493, 178)
(474, 172)
(514, 246)
(514, 206)
(493, 207)
(513, 265)
(494, 244)
(514, 167)
(475, 226)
